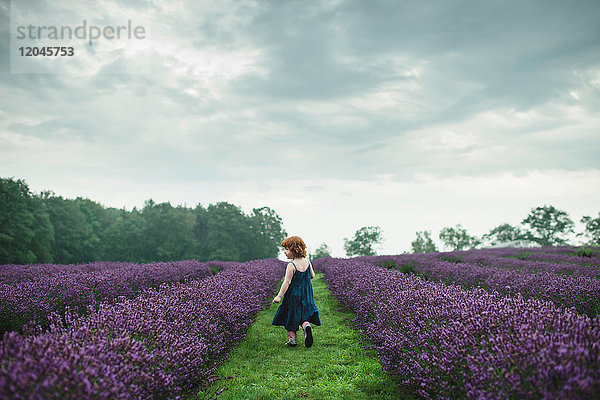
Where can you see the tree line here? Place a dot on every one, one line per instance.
(543, 226)
(46, 228)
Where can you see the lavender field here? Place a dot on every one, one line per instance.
(572, 283)
(478, 324)
(31, 294)
(158, 344)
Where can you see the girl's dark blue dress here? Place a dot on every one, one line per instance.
(298, 304)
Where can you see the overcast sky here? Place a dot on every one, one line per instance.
(409, 115)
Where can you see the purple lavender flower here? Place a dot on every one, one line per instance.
(443, 341)
(157, 345)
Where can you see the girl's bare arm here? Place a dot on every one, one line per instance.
(289, 273)
(312, 271)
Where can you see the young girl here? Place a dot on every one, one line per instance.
(298, 306)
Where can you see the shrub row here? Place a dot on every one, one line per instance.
(580, 292)
(29, 303)
(158, 345)
(443, 341)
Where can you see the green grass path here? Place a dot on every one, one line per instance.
(335, 367)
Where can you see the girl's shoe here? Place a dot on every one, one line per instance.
(308, 338)
(292, 342)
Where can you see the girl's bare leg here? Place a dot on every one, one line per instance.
(292, 340)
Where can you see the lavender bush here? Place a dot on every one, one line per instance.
(560, 254)
(319, 262)
(30, 302)
(565, 259)
(15, 273)
(443, 341)
(579, 292)
(529, 262)
(158, 345)
(531, 265)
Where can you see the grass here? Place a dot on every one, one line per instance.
(335, 367)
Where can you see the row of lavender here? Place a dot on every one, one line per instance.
(443, 341)
(529, 260)
(31, 301)
(13, 273)
(560, 253)
(580, 292)
(531, 266)
(158, 345)
(573, 256)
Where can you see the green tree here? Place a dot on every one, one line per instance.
(364, 240)
(457, 238)
(124, 239)
(201, 231)
(267, 232)
(43, 232)
(25, 231)
(74, 238)
(322, 251)
(227, 233)
(169, 232)
(592, 230)
(98, 219)
(423, 243)
(502, 234)
(547, 226)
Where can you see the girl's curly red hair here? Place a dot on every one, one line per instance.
(296, 245)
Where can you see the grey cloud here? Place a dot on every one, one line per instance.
(476, 57)
(367, 149)
(59, 126)
(519, 54)
(304, 56)
(109, 81)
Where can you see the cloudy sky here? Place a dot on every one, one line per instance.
(409, 115)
